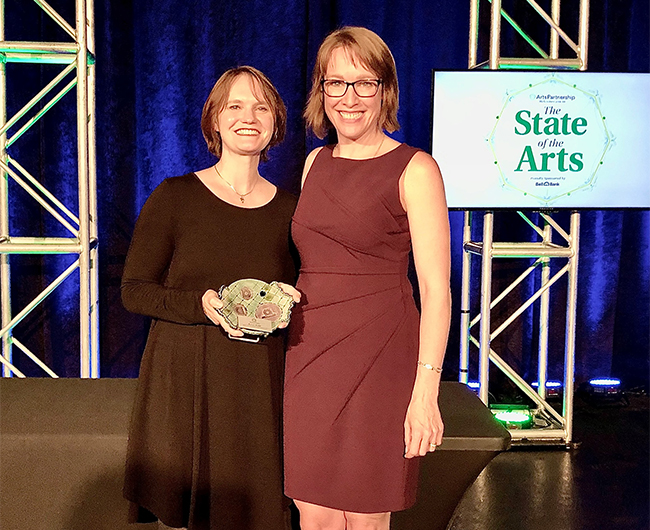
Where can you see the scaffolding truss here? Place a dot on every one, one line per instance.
(543, 59)
(76, 58)
(552, 426)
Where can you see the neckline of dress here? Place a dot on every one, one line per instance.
(231, 204)
(362, 159)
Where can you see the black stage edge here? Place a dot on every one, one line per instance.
(63, 444)
(472, 438)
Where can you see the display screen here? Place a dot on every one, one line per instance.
(542, 140)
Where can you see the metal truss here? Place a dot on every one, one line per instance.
(76, 57)
(551, 426)
(557, 427)
(543, 59)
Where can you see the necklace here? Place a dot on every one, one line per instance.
(379, 148)
(241, 197)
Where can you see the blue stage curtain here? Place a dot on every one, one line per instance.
(156, 62)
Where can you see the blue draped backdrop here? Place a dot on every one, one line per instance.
(156, 62)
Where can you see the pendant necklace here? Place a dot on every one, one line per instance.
(241, 197)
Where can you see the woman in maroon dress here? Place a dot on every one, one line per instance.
(363, 366)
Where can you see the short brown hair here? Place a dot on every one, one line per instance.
(218, 98)
(371, 51)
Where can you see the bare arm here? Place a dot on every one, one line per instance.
(422, 195)
(308, 163)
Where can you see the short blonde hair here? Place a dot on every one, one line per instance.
(218, 98)
(371, 51)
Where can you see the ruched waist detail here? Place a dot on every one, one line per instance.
(398, 269)
(331, 286)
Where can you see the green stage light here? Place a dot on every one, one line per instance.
(513, 416)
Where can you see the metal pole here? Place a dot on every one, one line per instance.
(38, 198)
(41, 296)
(495, 35)
(56, 17)
(84, 214)
(544, 306)
(528, 303)
(5, 276)
(570, 340)
(583, 37)
(488, 227)
(523, 385)
(463, 373)
(555, 36)
(473, 33)
(549, 20)
(29, 47)
(37, 98)
(92, 198)
(486, 298)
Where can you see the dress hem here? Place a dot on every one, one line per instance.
(398, 508)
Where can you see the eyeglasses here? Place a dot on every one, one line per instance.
(364, 88)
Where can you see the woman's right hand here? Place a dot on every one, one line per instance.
(211, 302)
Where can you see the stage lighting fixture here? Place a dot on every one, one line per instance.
(474, 385)
(513, 416)
(605, 385)
(605, 388)
(553, 388)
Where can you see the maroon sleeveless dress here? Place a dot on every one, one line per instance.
(353, 340)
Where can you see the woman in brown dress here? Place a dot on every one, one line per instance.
(363, 366)
(204, 447)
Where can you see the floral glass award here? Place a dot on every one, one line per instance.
(255, 307)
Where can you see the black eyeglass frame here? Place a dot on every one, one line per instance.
(353, 85)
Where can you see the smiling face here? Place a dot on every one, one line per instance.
(245, 123)
(355, 119)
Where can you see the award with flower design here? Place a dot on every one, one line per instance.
(254, 306)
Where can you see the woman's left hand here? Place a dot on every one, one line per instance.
(423, 426)
(293, 293)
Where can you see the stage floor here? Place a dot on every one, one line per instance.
(63, 446)
(601, 485)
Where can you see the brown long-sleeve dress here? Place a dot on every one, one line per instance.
(204, 444)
